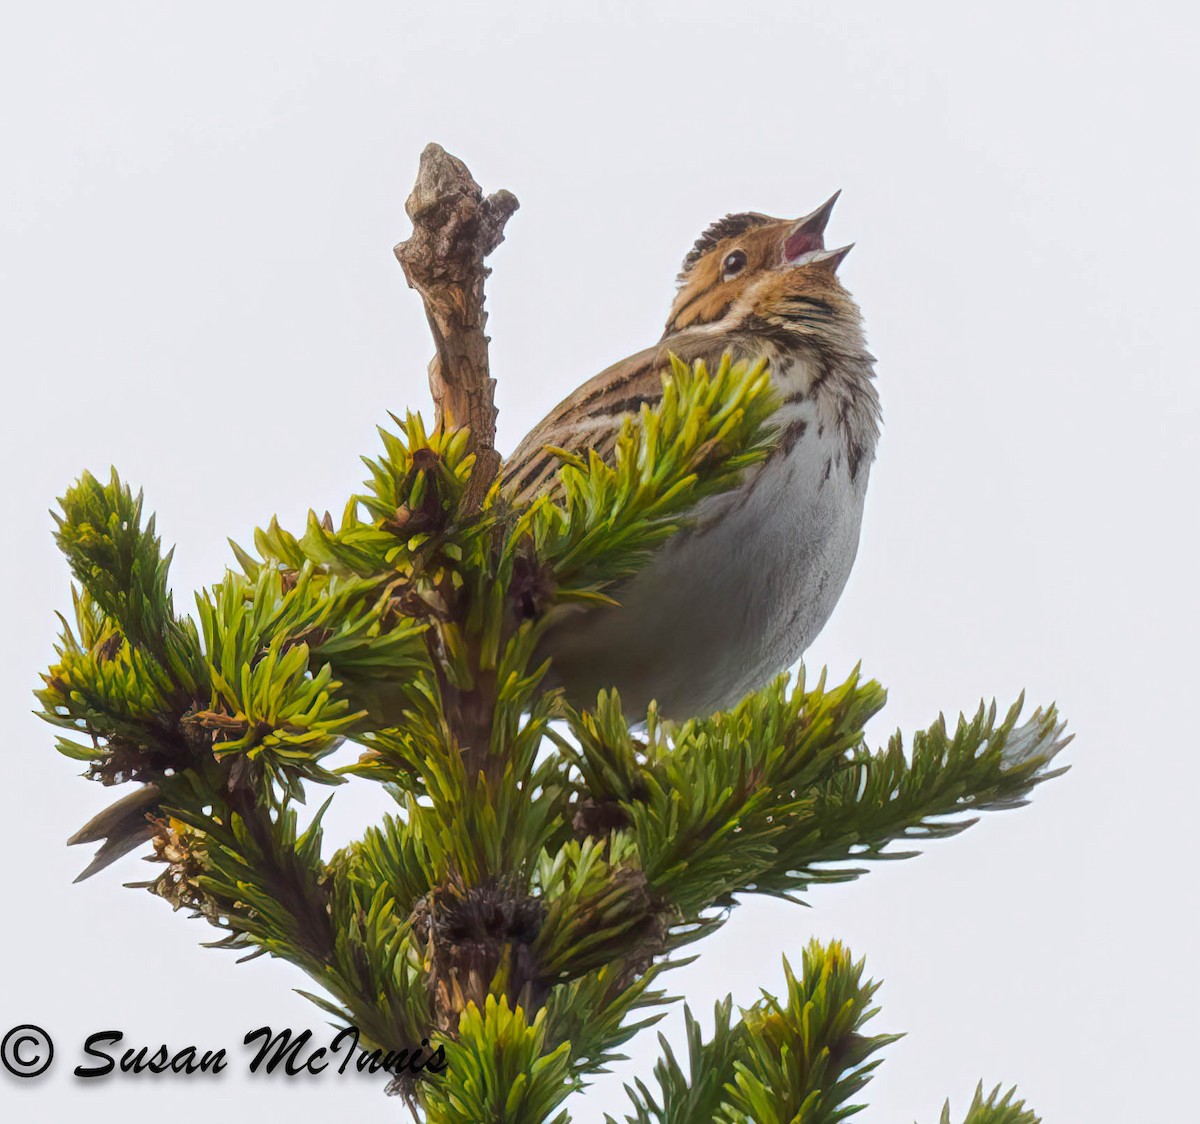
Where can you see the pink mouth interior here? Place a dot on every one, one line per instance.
(802, 242)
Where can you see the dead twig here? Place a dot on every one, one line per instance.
(454, 228)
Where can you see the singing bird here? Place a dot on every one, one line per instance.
(736, 596)
(739, 594)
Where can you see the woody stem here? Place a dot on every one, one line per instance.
(454, 228)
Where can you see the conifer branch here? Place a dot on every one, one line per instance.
(780, 792)
(935, 792)
(994, 1108)
(522, 902)
(800, 1057)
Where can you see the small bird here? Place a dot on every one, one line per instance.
(736, 596)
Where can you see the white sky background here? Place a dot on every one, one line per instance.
(197, 210)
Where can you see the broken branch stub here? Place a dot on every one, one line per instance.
(454, 228)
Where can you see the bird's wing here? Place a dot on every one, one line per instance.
(591, 417)
(588, 418)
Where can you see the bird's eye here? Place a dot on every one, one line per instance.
(733, 265)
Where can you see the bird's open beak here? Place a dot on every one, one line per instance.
(809, 232)
(828, 260)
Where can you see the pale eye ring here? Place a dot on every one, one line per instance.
(734, 263)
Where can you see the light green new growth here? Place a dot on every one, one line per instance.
(543, 864)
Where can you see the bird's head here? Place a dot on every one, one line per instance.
(801, 304)
(735, 255)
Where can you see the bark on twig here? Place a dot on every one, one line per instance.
(454, 228)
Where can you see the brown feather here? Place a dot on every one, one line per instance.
(731, 226)
(705, 294)
(771, 309)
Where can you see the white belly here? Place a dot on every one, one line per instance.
(732, 601)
